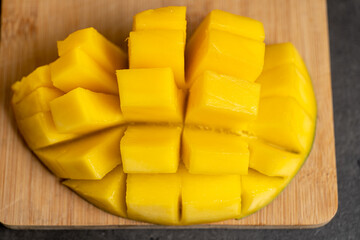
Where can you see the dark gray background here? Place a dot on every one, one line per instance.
(344, 26)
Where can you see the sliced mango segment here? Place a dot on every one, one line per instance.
(154, 198)
(283, 122)
(36, 101)
(150, 95)
(273, 161)
(39, 131)
(258, 190)
(210, 198)
(158, 49)
(40, 77)
(222, 101)
(165, 18)
(151, 149)
(225, 53)
(287, 81)
(208, 152)
(284, 53)
(77, 69)
(101, 50)
(90, 157)
(83, 111)
(107, 193)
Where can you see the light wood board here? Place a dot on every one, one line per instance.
(31, 197)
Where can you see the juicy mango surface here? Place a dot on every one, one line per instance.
(169, 142)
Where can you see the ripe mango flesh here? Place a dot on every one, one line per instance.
(150, 95)
(90, 157)
(77, 69)
(107, 193)
(151, 149)
(154, 197)
(37, 101)
(165, 18)
(84, 111)
(208, 152)
(220, 145)
(40, 77)
(214, 95)
(104, 52)
(39, 131)
(158, 49)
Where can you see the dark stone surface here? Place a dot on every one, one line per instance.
(344, 24)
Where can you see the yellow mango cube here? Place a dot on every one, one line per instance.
(90, 157)
(36, 101)
(40, 77)
(39, 131)
(284, 53)
(282, 121)
(158, 49)
(210, 198)
(273, 161)
(154, 198)
(77, 69)
(287, 81)
(222, 101)
(258, 190)
(225, 53)
(82, 111)
(100, 49)
(107, 193)
(208, 152)
(165, 18)
(151, 149)
(150, 95)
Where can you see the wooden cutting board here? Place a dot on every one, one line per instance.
(31, 197)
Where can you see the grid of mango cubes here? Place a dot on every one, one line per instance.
(148, 145)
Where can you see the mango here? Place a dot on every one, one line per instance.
(271, 160)
(283, 122)
(77, 69)
(222, 101)
(209, 152)
(151, 149)
(105, 53)
(287, 81)
(107, 193)
(39, 131)
(83, 111)
(284, 53)
(90, 157)
(210, 198)
(158, 49)
(227, 44)
(165, 18)
(258, 190)
(37, 101)
(154, 198)
(40, 77)
(150, 95)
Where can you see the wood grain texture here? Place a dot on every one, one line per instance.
(31, 197)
